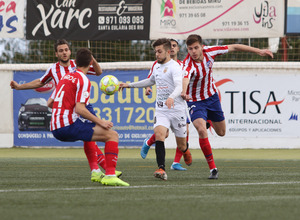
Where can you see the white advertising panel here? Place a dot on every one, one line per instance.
(11, 18)
(257, 104)
(215, 19)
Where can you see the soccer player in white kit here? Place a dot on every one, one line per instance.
(150, 141)
(170, 108)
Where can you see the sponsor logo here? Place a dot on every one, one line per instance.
(160, 104)
(167, 13)
(249, 97)
(168, 8)
(61, 15)
(293, 117)
(265, 14)
(181, 125)
(46, 88)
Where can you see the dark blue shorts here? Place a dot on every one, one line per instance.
(208, 109)
(81, 129)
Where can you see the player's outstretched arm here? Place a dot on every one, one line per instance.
(241, 47)
(31, 85)
(122, 86)
(185, 82)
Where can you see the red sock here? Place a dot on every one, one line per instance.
(178, 156)
(100, 157)
(111, 157)
(91, 154)
(151, 140)
(206, 149)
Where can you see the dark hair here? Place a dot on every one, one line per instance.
(171, 39)
(61, 42)
(162, 41)
(193, 38)
(83, 57)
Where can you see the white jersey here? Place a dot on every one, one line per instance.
(167, 76)
(168, 79)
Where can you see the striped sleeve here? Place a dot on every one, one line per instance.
(48, 76)
(83, 90)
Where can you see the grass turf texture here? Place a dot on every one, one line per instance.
(55, 184)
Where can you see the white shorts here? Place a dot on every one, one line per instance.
(175, 121)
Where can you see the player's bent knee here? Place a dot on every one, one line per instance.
(202, 133)
(112, 136)
(221, 133)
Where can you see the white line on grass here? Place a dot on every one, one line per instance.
(100, 187)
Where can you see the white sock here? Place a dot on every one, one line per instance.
(96, 170)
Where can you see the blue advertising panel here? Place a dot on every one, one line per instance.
(292, 26)
(131, 110)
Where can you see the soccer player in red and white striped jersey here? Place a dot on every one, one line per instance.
(72, 121)
(200, 90)
(55, 72)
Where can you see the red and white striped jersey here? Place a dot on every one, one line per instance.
(72, 88)
(56, 72)
(201, 84)
(151, 70)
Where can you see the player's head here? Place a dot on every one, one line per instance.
(62, 51)
(162, 49)
(83, 57)
(174, 49)
(195, 47)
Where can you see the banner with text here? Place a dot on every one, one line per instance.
(11, 19)
(217, 19)
(88, 20)
(257, 104)
(131, 111)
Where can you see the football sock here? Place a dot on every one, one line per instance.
(111, 157)
(100, 157)
(187, 147)
(178, 156)
(151, 140)
(98, 170)
(91, 154)
(206, 149)
(160, 154)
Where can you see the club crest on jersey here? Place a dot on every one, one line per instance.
(86, 94)
(166, 69)
(209, 64)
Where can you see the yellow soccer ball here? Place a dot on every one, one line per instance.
(109, 84)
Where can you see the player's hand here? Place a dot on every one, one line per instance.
(185, 96)
(148, 91)
(106, 124)
(14, 85)
(265, 52)
(122, 86)
(170, 103)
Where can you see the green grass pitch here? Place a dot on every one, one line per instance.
(55, 184)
